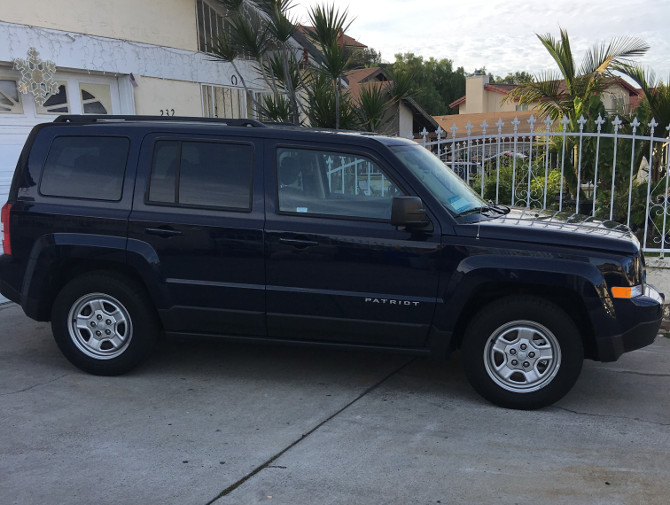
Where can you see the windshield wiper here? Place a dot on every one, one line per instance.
(500, 209)
(491, 207)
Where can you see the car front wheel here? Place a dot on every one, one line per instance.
(522, 352)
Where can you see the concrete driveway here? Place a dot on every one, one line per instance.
(210, 422)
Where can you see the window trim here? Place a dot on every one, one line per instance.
(369, 156)
(176, 204)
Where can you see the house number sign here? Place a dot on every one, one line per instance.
(167, 112)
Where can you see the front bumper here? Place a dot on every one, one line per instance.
(642, 316)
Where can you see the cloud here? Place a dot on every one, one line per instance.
(500, 34)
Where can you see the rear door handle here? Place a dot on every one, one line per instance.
(300, 244)
(163, 232)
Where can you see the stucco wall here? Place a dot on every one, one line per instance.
(405, 121)
(155, 95)
(169, 23)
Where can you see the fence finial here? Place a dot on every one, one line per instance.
(617, 122)
(600, 122)
(424, 134)
(582, 122)
(565, 122)
(635, 124)
(500, 124)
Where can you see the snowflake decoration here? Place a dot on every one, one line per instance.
(37, 76)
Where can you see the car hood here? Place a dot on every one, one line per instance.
(556, 228)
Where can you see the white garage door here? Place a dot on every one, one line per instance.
(78, 94)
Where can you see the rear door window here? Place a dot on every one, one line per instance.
(85, 167)
(201, 174)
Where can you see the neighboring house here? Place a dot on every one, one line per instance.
(483, 97)
(406, 119)
(121, 57)
(484, 101)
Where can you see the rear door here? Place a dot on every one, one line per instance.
(337, 270)
(198, 207)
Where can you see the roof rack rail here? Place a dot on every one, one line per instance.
(83, 118)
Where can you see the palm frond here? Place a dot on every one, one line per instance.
(561, 53)
(250, 35)
(620, 50)
(372, 106)
(328, 24)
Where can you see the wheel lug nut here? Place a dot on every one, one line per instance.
(93, 325)
(512, 351)
(526, 364)
(531, 354)
(98, 333)
(109, 321)
(99, 317)
(523, 347)
(108, 332)
(514, 362)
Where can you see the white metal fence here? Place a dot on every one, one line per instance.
(604, 168)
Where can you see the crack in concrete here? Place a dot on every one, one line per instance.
(644, 374)
(34, 386)
(268, 463)
(656, 423)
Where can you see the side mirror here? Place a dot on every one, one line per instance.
(408, 211)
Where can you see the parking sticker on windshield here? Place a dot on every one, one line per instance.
(458, 203)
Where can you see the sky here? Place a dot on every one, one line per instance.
(500, 35)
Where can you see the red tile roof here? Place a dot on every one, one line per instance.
(345, 39)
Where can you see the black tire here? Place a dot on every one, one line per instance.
(522, 352)
(103, 323)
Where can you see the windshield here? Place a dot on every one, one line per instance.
(448, 188)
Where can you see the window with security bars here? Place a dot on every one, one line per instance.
(222, 101)
(212, 20)
(234, 103)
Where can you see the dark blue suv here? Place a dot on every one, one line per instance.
(119, 229)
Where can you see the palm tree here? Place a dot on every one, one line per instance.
(262, 30)
(656, 93)
(566, 92)
(328, 26)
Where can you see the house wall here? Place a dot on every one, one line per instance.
(615, 97)
(169, 23)
(157, 97)
(405, 122)
(474, 91)
(494, 103)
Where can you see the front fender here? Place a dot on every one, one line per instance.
(481, 275)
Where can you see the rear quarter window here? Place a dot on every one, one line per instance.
(85, 167)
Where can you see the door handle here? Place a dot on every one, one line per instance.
(300, 244)
(163, 232)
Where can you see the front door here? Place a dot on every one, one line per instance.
(337, 270)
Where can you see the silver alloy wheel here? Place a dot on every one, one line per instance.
(100, 326)
(522, 356)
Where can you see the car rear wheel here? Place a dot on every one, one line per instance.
(522, 352)
(104, 324)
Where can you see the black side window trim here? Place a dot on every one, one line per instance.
(180, 140)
